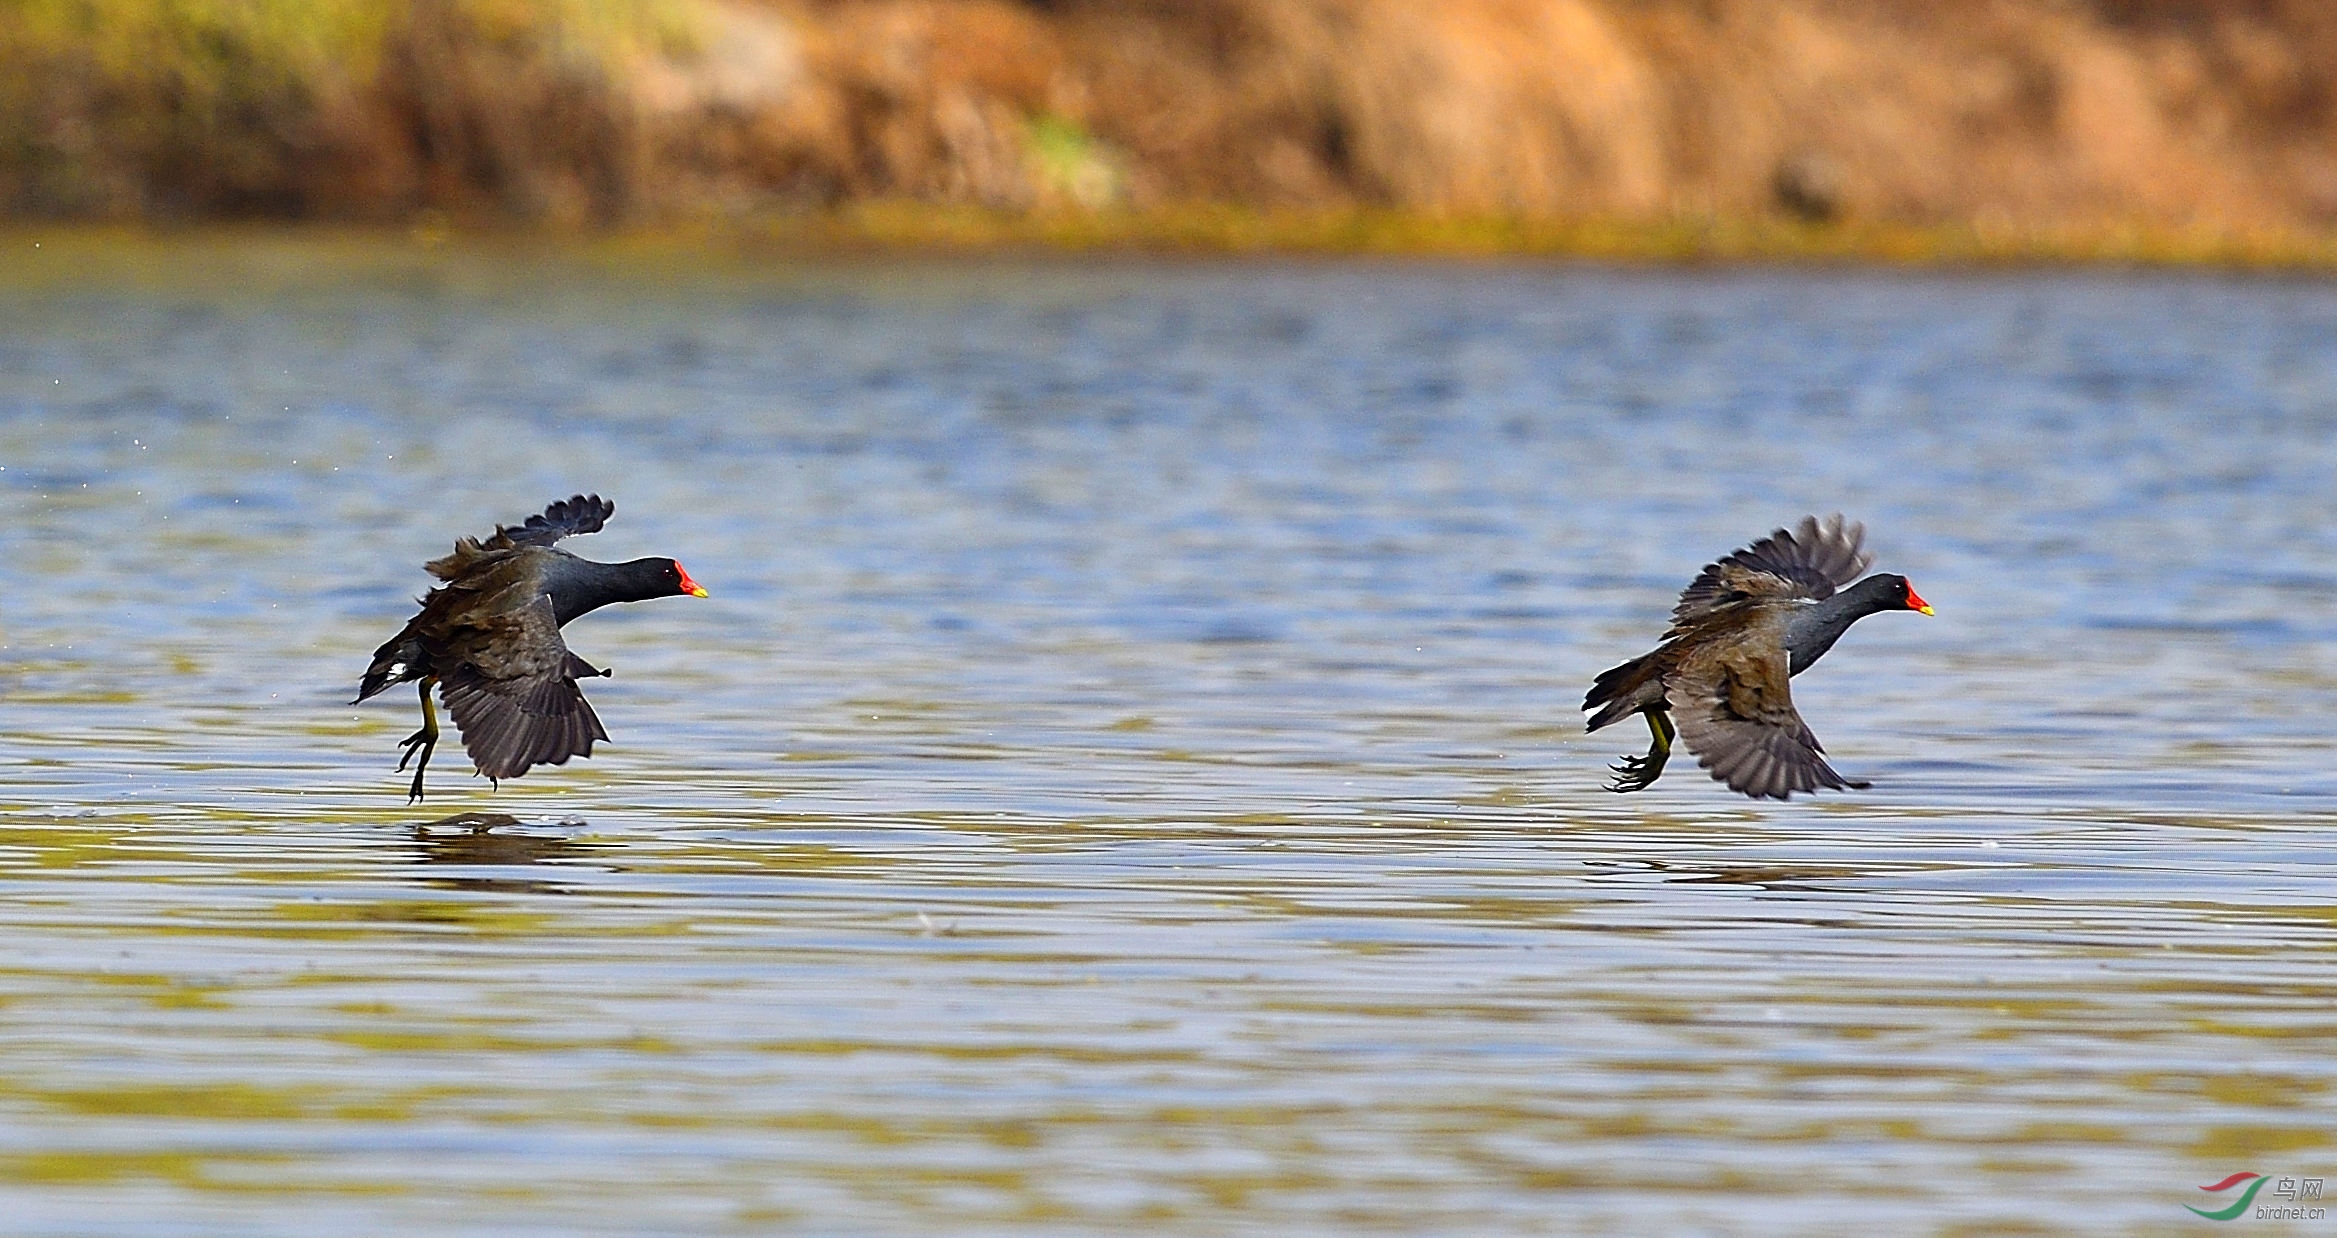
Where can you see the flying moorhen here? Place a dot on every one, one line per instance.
(490, 636)
(1742, 628)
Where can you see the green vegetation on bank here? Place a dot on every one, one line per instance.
(1221, 229)
(280, 254)
(328, 109)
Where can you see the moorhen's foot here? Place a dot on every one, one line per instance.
(424, 741)
(1638, 773)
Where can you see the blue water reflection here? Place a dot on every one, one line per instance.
(1128, 771)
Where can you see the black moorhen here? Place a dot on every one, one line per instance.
(490, 636)
(1742, 628)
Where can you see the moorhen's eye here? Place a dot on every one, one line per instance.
(1743, 628)
(489, 638)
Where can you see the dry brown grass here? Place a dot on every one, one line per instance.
(1997, 117)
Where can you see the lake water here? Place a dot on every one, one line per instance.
(1128, 776)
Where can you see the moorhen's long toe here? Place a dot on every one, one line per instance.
(489, 640)
(1743, 628)
(1639, 773)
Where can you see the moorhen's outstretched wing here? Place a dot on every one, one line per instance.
(570, 517)
(512, 690)
(1809, 562)
(1735, 712)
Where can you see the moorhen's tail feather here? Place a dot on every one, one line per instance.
(1624, 690)
(398, 660)
(570, 517)
(1810, 562)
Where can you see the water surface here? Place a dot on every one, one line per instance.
(1128, 776)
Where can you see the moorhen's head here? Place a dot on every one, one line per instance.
(1897, 593)
(678, 578)
(581, 586)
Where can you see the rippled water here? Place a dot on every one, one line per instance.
(1128, 775)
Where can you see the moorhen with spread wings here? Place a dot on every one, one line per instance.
(490, 639)
(1743, 627)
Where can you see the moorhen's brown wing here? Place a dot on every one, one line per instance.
(1809, 562)
(510, 683)
(1735, 712)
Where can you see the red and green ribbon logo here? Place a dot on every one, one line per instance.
(2255, 1183)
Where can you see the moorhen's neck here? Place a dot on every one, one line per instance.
(581, 586)
(1814, 629)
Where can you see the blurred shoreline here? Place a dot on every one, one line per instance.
(2152, 131)
(54, 252)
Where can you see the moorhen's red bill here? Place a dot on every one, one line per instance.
(1743, 627)
(490, 638)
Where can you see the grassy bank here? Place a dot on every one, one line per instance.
(1205, 229)
(264, 254)
(2138, 130)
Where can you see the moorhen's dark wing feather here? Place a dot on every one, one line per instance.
(512, 690)
(1735, 712)
(1809, 562)
(508, 728)
(570, 517)
(584, 513)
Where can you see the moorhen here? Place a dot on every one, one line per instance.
(490, 637)
(1742, 628)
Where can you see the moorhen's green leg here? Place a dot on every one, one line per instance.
(423, 741)
(1640, 773)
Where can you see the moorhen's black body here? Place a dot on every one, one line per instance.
(1745, 626)
(490, 637)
